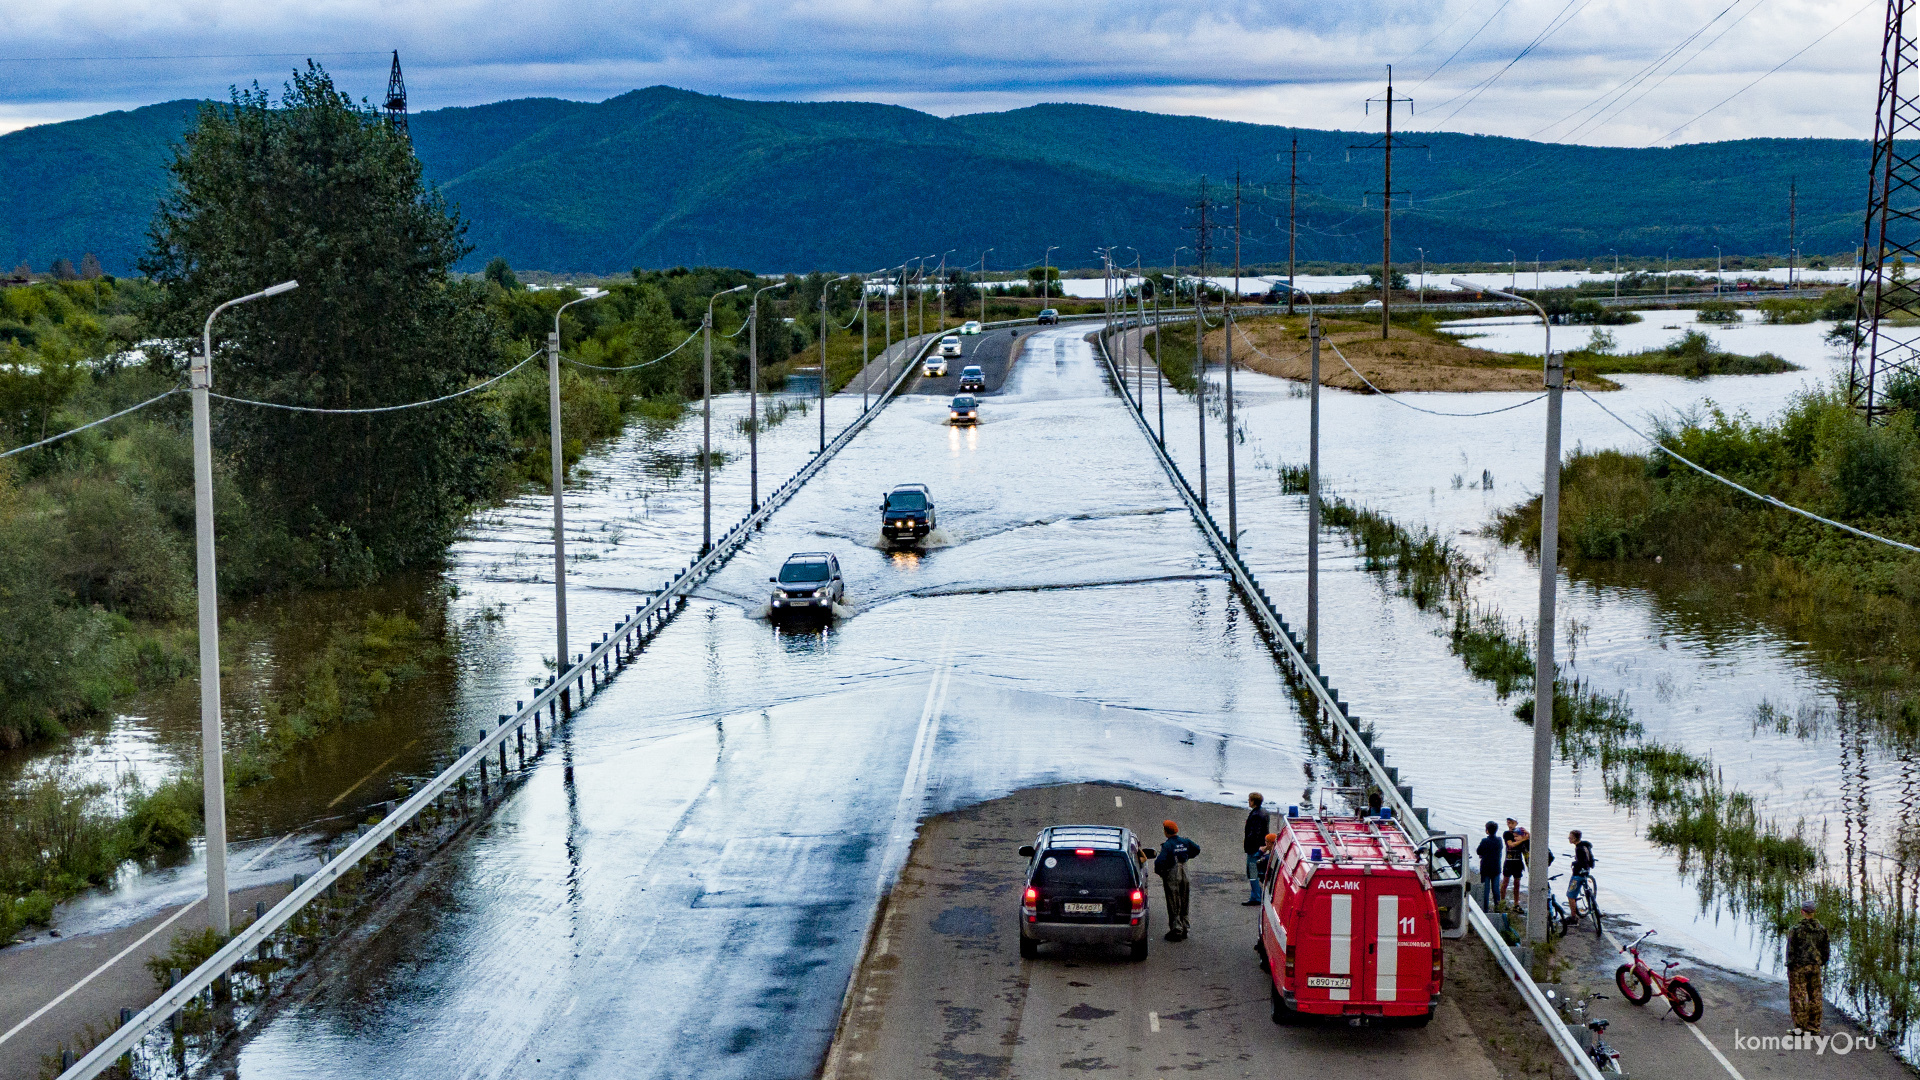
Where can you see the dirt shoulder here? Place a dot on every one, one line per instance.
(942, 991)
(1409, 359)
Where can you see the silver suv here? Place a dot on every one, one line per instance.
(808, 583)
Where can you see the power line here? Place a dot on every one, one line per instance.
(1395, 398)
(1464, 44)
(382, 408)
(182, 56)
(75, 431)
(1770, 71)
(1768, 499)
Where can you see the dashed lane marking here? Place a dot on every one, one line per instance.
(1153, 1021)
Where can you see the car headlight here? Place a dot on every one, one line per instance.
(823, 590)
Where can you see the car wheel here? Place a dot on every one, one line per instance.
(1029, 948)
(1281, 1014)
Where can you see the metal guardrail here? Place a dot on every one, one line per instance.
(555, 700)
(1335, 711)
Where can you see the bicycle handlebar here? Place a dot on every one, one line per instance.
(1628, 947)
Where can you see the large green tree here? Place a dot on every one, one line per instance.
(318, 189)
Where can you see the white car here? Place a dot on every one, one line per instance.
(950, 346)
(936, 367)
(1371, 305)
(971, 326)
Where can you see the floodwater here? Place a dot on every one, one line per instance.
(692, 900)
(1694, 668)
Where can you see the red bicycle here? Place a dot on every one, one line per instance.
(1638, 983)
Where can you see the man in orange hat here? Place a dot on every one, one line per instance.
(1171, 864)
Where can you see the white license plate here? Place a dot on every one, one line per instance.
(1329, 982)
(1083, 909)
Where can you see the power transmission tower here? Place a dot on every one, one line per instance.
(1387, 143)
(397, 97)
(1892, 226)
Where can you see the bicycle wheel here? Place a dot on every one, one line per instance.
(1632, 986)
(1686, 1001)
(1593, 908)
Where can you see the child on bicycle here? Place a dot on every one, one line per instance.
(1583, 862)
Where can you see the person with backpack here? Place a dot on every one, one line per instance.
(1583, 862)
(1255, 839)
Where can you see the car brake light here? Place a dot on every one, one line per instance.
(1033, 896)
(1083, 851)
(1438, 964)
(1289, 970)
(1139, 900)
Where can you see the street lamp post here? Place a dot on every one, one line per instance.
(1719, 270)
(1313, 477)
(1536, 268)
(940, 288)
(1513, 270)
(706, 421)
(559, 486)
(824, 326)
(1046, 273)
(1543, 669)
(1423, 276)
(1616, 273)
(212, 762)
(753, 397)
(1159, 376)
(983, 289)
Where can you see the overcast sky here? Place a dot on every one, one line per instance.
(1616, 72)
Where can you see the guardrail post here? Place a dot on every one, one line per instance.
(173, 979)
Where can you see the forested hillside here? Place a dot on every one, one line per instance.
(660, 177)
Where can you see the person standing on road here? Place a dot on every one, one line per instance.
(1583, 862)
(1515, 866)
(1491, 853)
(1807, 949)
(1171, 864)
(1255, 839)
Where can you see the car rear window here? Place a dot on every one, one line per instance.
(1061, 868)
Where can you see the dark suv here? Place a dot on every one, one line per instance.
(972, 378)
(1048, 317)
(906, 514)
(809, 583)
(1085, 885)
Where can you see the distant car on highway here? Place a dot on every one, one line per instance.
(1085, 885)
(950, 346)
(972, 378)
(971, 326)
(907, 513)
(1048, 317)
(808, 583)
(1371, 305)
(936, 367)
(964, 410)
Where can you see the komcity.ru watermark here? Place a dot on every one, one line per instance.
(1839, 1044)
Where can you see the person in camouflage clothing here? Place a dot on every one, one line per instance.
(1807, 949)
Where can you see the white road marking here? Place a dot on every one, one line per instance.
(1116, 800)
(913, 787)
(123, 953)
(1153, 1021)
(570, 1005)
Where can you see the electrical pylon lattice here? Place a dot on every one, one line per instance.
(1881, 354)
(397, 97)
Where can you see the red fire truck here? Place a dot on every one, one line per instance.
(1350, 927)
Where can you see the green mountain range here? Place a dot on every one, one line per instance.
(660, 177)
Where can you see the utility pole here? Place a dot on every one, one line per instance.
(1159, 373)
(1233, 516)
(1293, 197)
(1313, 488)
(866, 355)
(1423, 275)
(1201, 246)
(1513, 270)
(753, 398)
(1616, 275)
(213, 777)
(557, 450)
(1386, 202)
(706, 422)
(983, 289)
(1793, 200)
(824, 286)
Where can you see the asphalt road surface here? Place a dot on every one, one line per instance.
(993, 350)
(943, 994)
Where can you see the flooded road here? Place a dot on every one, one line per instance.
(692, 902)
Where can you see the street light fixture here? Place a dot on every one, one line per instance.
(1537, 883)
(559, 482)
(1313, 476)
(983, 288)
(824, 326)
(1046, 273)
(212, 765)
(753, 396)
